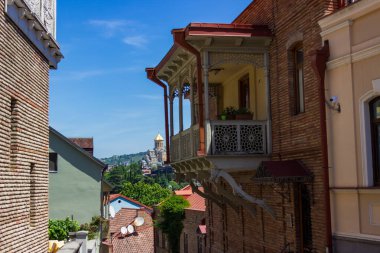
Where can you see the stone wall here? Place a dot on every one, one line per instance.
(24, 91)
(193, 218)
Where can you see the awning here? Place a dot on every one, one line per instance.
(282, 172)
(201, 229)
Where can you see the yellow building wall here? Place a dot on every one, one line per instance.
(353, 65)
(257, 88)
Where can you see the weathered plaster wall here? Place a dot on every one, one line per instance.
(76, 187)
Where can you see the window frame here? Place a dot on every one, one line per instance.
(298, 86)
(244, 81)
(55, 155)
(374, 123)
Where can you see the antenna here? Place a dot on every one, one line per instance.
(124, 230)
(112, 212)
(130, 229)
(139, 221)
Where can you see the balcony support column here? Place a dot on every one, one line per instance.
(171, 98)
(268, 108)
(191, 96)
(206, 101)
(180, 103)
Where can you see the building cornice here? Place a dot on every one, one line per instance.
(30, 24)
(351, 12)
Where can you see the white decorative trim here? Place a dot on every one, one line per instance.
(346, 23)
(366, 53)
(29, 23)
(341, 61)
(358, 236)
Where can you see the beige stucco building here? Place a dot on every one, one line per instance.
(353, 86)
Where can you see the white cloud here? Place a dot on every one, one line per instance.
(110, 24)
(110, 27)
(136, 41)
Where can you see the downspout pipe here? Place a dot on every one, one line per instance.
(179, 39)
(319, 59)
(102, 200)
(152, 75)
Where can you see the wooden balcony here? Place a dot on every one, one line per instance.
(345, 3)
(224, 138)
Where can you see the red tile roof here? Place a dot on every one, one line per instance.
(185, 191)
(141, 241)
(115, 196)
(196, 201)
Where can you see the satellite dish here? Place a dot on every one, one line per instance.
(130, 229)
(139, 221)
(112, 212)
(124, 230)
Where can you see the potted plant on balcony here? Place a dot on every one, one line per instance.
(228, 113)
(243, 114)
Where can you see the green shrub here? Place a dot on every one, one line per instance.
(59, 229)
(92, 227)
(172, 213)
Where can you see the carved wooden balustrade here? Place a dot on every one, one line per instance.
(45, 10)
(228, 137)
(238, 137)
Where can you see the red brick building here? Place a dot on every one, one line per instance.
(193, 236)
(27, 51)
(265, 177)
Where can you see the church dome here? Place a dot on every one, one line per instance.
(158, 138)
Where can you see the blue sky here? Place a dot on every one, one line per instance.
(100, 89)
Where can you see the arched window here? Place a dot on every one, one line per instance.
(374, 106)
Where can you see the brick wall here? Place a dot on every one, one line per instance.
(24, 77)
(293, 136)
(193, 218)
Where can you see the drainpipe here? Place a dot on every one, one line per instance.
(151, 74)
(179, 39)
(319, 59)
(102, 205)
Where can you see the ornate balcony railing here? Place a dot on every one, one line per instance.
(230, 137)
(45, 11)
(238, 137)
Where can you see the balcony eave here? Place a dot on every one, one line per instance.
(229, 163)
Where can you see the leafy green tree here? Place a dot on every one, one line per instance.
(171, 216)
(148, 194)
(120, 174)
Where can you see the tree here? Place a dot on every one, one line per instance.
(147, 194)
(120, 174)
(172, 213)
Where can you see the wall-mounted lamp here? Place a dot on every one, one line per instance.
(333, 104)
